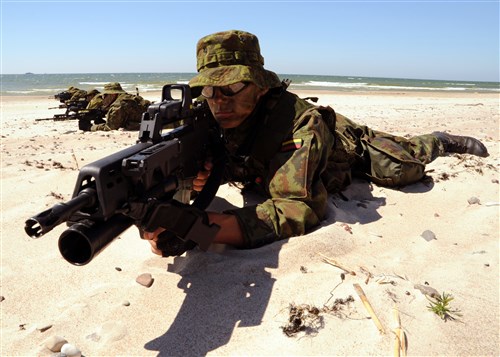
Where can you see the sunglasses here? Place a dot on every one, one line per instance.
(227, 91)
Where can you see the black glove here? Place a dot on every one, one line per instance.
(185, 226)
(171, 245)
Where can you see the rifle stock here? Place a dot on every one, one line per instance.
(118, 190)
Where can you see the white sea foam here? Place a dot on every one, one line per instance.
(156, 87)
(19, 92)
(93, 83)
(32, 91)
(363, 85)
(332, 84)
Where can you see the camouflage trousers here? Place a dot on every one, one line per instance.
(100, 127)
(385, 159)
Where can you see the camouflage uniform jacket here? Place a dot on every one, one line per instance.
(282, 150)
(296, 153)
(125, 112)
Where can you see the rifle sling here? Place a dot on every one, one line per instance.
(273, 129)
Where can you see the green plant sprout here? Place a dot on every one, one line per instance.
(440, 306)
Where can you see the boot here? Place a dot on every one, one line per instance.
(461, 144)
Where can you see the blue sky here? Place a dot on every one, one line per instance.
(454, 40)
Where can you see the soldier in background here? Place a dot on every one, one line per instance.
(66, 94)
(122, 110)
(83, 95)
(75, 101)
(74, 95)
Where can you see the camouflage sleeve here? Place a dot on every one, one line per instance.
(115, 117)
(95, 103)
(298, 196)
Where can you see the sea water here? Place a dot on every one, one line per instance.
(50, 84)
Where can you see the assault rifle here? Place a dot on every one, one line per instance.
(80, 104)
(143, 183)
(85, 117)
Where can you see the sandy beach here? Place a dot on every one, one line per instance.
(391, 246)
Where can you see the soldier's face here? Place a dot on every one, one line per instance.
(230, 112)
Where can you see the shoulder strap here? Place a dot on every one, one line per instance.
(275, 126)
(282, 109)
(329, 116)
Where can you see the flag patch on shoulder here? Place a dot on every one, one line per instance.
(293, 144)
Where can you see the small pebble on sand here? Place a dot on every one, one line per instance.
(428, 235)
(474, 201)
(54, 343)
(70, 351)
(145, 280)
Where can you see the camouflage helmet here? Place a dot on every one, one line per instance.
(113, 88)
(229, 57)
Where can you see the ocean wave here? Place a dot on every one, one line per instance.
(461, 84)
(149, 82)
(93, 83)
(157, 87)
(19, 92)
(38, 91)
(370, 86)
(328, 84)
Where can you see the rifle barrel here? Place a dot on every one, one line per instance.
(45, 221)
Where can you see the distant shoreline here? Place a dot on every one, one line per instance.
(50, 84)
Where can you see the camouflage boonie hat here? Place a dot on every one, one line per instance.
(113, 88)
(93, 92)
(229, 57)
